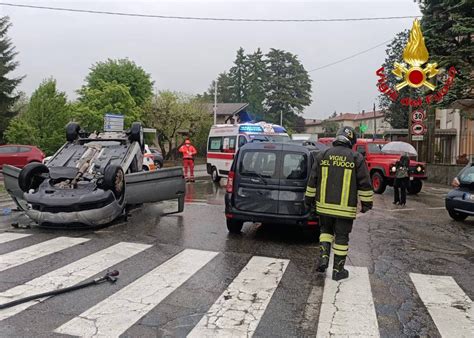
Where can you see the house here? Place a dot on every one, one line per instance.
(313, 126)
(227, 112)
(373, 122)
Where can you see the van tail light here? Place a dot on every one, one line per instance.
(230, 182)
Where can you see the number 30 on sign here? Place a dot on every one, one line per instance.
(418, 116)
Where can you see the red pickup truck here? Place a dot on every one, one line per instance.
(382, 166)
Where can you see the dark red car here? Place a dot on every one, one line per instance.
(19, 155)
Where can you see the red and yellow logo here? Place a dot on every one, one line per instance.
(412, 73)
(416, 55)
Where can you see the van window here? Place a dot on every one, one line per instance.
(295, 166)
(255, 163)
(215, 144)
(242, 140)
(229, 144)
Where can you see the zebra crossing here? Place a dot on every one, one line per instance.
(347, 308)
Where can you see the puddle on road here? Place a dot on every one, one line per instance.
(205, 191)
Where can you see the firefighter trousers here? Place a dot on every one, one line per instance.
(337, 229)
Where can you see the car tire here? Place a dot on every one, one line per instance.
(457, 216)
(234, 226)
(72, 131)
(215, 175)
(378, 183)
(415, 187)
(30, 176)
(114, 180)
(145, 168)
(136, 134)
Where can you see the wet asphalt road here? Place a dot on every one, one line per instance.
(391, 242)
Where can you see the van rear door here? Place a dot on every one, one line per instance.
(257, 179)
(295, 167)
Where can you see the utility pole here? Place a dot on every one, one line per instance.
(215, 102)
(281, 118)
(375, 124)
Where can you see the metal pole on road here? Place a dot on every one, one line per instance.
(215, 102)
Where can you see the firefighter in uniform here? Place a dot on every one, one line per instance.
(339, 175)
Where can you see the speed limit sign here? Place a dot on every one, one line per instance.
(418, 116)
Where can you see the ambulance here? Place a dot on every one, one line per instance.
(225, 139)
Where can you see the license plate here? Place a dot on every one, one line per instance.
(412, 178)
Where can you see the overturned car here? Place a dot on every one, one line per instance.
(91, 179)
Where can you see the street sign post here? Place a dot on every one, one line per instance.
(418, 128)
(113, 122)
(418, 115)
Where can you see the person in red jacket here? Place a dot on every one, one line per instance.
(188, 151)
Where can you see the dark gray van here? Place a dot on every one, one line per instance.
(267, 183)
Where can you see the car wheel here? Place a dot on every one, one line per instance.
(114, 180)
(234, 226)
(30, 176)
(72, 131)
(378, 183)
(457, 216)
(215, 175)
(136, 134)
(415, 187)
(145, 168)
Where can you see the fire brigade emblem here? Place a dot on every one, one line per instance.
(416, 55)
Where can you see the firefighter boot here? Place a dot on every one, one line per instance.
(338, 271)
(324, 252)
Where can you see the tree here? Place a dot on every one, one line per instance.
(43, 122)
(395, 113)
(288, 89)
(238, 75)
(330, 127)
(255, 79)
(448, 27)
(124, 72)
(8, 97)
(105, 97)
(170, 112)
(225, 90)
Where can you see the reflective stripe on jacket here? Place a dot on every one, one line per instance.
(338, 176)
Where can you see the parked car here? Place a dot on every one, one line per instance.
(460, 200)
(157, 158)
(90, 180)
(19, 155)
(148, 163)
(267, 183)
(382, 166)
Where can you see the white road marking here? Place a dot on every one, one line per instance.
(451, 309)
(36, 251)
(68, 275)
(239, 309)
(117, 313)
(347, 308)
(11, 236)
(436, 208)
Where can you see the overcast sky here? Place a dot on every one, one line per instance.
(187, 55)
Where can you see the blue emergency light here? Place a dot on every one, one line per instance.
(250, 128)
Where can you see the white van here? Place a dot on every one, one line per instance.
(225, 139)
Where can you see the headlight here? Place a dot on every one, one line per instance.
(394, 169)
(418, 168)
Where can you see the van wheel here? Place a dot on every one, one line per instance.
(234, 226)
(378, 183)
(215, 175)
